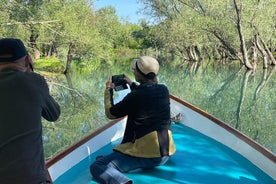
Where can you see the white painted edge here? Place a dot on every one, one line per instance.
(195, 120)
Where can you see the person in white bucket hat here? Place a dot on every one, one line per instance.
(147, 141)
(147, 67)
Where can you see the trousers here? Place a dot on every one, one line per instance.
(110, 168)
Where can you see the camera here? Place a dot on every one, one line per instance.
(119, 82)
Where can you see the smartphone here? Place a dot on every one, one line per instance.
(119, 82)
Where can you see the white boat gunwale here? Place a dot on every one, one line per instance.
(266, 152)
(80, 148)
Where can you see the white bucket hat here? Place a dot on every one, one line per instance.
(147, 66)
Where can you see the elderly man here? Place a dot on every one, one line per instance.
(24, 98)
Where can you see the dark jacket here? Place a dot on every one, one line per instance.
(24, 98)
(147, 131)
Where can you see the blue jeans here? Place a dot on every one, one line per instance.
(109, 169)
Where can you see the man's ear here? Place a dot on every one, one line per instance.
(29, 63)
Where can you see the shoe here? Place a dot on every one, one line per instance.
(177, 118)
(99, 156)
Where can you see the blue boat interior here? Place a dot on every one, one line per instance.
(198, 160)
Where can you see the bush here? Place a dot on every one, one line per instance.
(49, 64)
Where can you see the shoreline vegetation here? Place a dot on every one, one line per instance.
(183, 31)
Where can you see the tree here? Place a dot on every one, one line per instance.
(75, 35)
(67, 29)
(226, 26)
(243, 48)
(23, 16)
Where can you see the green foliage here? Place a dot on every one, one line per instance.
(86, 65)
(210, 25)
(51, 64)
(100, 36)
(95, 37)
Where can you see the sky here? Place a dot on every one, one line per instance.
(126, 9)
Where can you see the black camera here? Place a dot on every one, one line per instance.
(119, 82)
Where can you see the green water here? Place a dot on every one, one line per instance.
(242, 99)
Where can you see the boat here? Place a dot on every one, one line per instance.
(208, 152)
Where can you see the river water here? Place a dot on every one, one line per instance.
(242, 99)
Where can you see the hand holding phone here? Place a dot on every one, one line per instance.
(119, 82)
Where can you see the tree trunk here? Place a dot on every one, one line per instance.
(266, 77)
(69, 57)
(241, 36)
(52, 49)
(242, 97)
(262, 51)
(33, 44)
(222, 53)
(215, 52)
(198, 53)
(254, 56)
(261, 85)
(192, 53)
(70, 85)
(271, 57)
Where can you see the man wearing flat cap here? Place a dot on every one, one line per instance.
(147, 140)
(24, 98)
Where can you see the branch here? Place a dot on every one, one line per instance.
(272, 59)
(30, 22)
(70, 89)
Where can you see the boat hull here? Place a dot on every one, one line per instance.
(202, 125)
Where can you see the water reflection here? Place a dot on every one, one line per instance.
(242, 99)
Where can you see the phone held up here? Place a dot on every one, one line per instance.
(119, 82)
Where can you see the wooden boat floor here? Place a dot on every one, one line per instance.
(198, 160)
